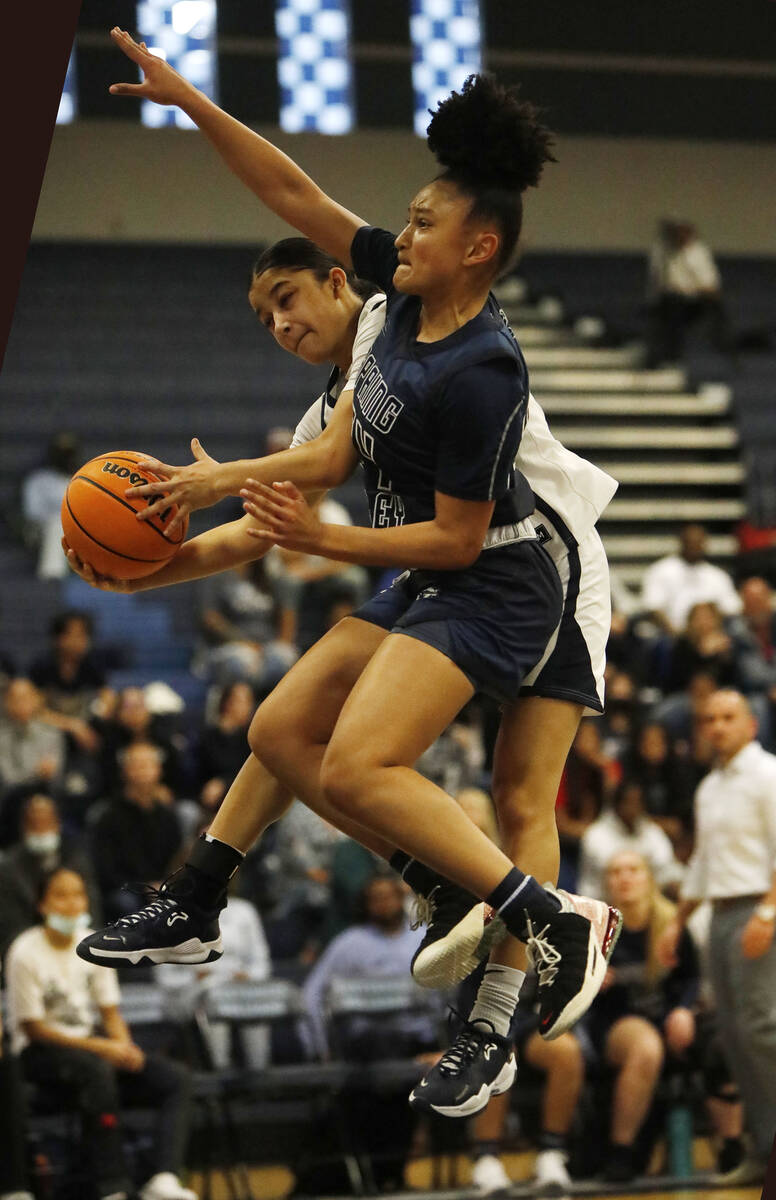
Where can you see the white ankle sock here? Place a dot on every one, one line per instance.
(497, 997)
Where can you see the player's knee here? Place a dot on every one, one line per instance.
(342, 780)
(265, 737)
(519, 809)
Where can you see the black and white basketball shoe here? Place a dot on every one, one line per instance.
(479, 1064)
(170, 929)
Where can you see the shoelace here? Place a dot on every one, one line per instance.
(542, 954)
(161, 904)
(463, 1049)
(423, 909)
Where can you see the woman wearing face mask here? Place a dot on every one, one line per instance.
(428, 515)
(65, 1023)
(41, 848)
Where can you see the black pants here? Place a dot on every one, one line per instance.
(13, 1176)
(98, 1091)
(671, 316)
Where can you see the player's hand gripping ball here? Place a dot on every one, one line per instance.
(100, 524)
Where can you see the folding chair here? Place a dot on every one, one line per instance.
(374, 997)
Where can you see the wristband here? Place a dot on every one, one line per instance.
(766, 912)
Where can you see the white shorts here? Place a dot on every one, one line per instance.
(572, 666)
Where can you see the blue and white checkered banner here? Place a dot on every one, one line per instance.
(184, 34)
(68, 104)
(314, 69)
(446, 47)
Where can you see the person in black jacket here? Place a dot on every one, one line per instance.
(137, 834)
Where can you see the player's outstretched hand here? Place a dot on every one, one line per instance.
(281, 514)
(87, 573)
(161, 82)
(190, 487)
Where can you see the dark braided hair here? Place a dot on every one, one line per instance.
(492, 146)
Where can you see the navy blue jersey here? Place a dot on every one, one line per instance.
(441, 416)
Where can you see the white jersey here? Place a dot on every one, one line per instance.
(574, 489)
(315, 420)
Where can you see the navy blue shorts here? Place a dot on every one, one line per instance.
(493, 620)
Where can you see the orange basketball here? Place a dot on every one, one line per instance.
(100, 524)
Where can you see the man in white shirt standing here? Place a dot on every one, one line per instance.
(734, 866)
(683, 287)
(673, 584)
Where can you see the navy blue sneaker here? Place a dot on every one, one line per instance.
(479, 1064)
(171, 929)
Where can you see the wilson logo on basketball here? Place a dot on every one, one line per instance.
(124, 473)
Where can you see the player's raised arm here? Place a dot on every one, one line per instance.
(268, 172)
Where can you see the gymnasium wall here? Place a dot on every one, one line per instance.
(118, 181)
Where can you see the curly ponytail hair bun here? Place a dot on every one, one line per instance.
(485, 135)
(492, 146)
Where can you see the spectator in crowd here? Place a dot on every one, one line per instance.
(136, 835)
(644, 1009)
(754, 641)
(223, 742)
(42, 848)
(666, 780)
(32, 753)
(381, 946)
(625, 826)
(42, 493)
(587, 782)
(684, 287)
(13, 1167)
(302, 856)
(66, 1025)
(69, 674)
(245, 959)
(132, 721)
(704, 646)
(241, 632)
(673, 584)
(734, 866)
(561, 1063)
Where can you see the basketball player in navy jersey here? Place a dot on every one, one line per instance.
(462, 509)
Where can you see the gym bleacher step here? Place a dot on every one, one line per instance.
(680, 404)
(720, 474)
(583, 358)
(659, 509)
(665, 379)
(650, 546)
(675, 437)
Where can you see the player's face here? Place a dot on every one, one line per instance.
(301, 312)
(438, 243)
